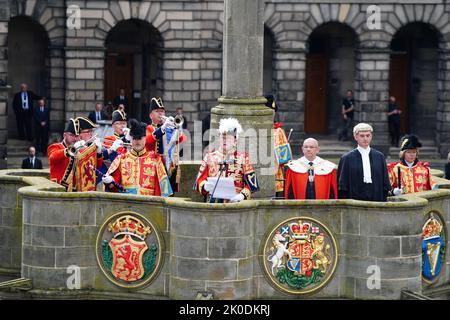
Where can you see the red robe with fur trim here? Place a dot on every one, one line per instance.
(325, 182)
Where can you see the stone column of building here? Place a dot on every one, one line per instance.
(242, 84)
(443, 107)
(4, 88)
(372, 86)
(289, 74)
(57, 90)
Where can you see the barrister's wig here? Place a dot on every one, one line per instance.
(362, 127)
(137, 129)
(230, 126)
(85, 123)
(156, 103)
(119, 115)
(73, 127)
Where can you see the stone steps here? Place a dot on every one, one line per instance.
(17, 150)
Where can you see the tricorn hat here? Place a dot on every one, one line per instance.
(73, 127)
(137, 129)
(271, 102)
(119, 115)
(410, 142)
(85, 123)
(156, 103)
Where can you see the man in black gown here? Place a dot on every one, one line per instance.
(362, 172)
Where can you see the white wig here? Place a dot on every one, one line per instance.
(360, 127)
(230, 125)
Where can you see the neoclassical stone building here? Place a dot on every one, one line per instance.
(314, 52)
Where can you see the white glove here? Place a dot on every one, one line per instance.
(116, 145)
(126, 132)
(79, 144)
(237, 198)
(98, 143)
(208, 186)
(397, 191)
(169, 123)
(107, 179)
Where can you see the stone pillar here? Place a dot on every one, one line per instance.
(242, 83)
(443, 107)
(4, 93)
(57, 89)
(372, 86)
(289, 75)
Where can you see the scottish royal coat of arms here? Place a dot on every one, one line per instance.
(129, 250)
(300, 256)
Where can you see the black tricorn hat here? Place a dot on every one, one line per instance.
(73, 127)
(410, 142)
(137, 129)
(85, 123)
(156, 103)
(271, 102)
(119, 115)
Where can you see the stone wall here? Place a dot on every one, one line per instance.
(11, 218)
(212, 247)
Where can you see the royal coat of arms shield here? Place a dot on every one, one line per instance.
(129, 250)
(300, 256)
(433, 248)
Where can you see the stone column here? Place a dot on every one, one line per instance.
(242, 83)
(443, 107)
(4, 93)
(372, 83)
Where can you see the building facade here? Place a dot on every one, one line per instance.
(313, 53)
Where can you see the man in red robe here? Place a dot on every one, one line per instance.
(311, 177)
(61, 156)
(138, 171)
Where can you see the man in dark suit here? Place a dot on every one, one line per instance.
(31, 162)
(23, 109)
(121, 99)
(42, 123)
(98, 114)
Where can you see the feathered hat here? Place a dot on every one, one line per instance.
(410, 142)
(230, 126)
(137, 129)
(271, 102)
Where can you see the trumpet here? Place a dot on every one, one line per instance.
(178, 120)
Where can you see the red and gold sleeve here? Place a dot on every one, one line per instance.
(202, 176)
(115, 173)
(57, 153)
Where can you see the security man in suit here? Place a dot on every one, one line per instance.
(31, 162)
(42, 122)
(23, 109)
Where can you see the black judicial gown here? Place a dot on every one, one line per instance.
(350, 177)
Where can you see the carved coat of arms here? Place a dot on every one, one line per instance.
(129, 250)
(300, 256)
(433, 248)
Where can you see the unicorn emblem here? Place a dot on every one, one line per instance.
(281, 250)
